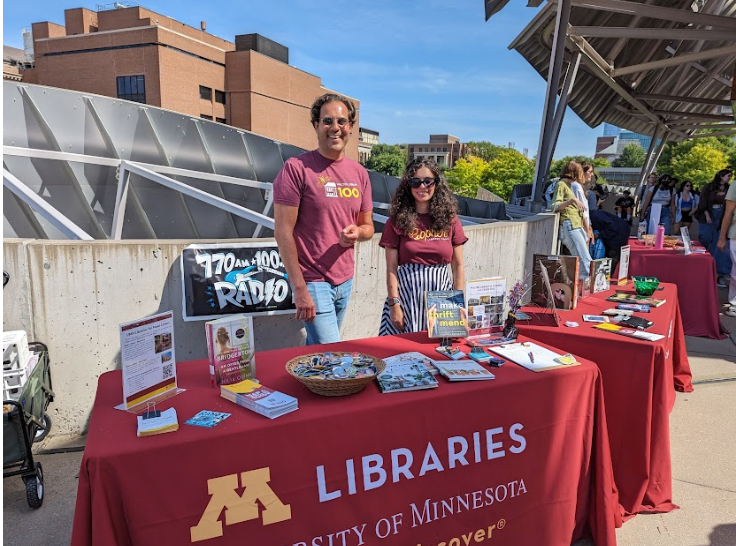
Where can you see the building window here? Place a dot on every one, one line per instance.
(205, 93)
(132, 88)
(205, 116)
(220, 96)
(444, 149)
(440, 160)
(220, 120)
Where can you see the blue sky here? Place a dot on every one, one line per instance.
(416, 67)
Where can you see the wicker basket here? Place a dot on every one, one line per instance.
(334, 387)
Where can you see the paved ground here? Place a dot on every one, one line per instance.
(703, 457)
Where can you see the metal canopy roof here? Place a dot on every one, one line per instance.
(646, 64)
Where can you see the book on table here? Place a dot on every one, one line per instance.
(465, 370)
(230, 349)
(446, 314)
(562, 275)
(600, 275)
(406, 373)
(628, 297)
(413, 357)
(260, 399)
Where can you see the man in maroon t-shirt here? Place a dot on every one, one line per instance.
(322, 207)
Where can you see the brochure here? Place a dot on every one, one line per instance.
(147, 354)
(159, 422)
(467, 370)
(405, 374)
(686, 240)
(207, 419)
(623, 265)
(485, 304)
(534, 357)
(260, 399)
(595, 318)
(634, 307)
(446, 314)
(230, 349)
(450, 352)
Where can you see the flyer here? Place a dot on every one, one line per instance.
(623, 265)
(148, 360)
(485, 305)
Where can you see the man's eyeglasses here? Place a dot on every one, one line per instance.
(426, 182)
(342, 122)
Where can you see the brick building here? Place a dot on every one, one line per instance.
(137, 54)
(367, 138)
(444, 149)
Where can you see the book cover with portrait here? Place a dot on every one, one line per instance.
(562, 272)
(230, 349)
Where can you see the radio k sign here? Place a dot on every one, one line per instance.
(239, 509)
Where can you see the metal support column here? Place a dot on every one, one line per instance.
(553, 84)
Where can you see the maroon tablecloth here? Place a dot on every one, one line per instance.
(521, 460)
(695, 277)
(639, 381)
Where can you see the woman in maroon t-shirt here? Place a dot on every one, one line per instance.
(421, 237)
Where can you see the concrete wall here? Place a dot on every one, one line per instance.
(73, 295)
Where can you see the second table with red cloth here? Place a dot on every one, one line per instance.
(154, 490)
(695, 277)
(639, 382)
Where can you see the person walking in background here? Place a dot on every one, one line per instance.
(686, 202)
(572, 232)
(728, 230)
(322, 206)
(710, 217)
(422, 235)
(663, 195)
(651, 182)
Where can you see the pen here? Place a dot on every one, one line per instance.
(531, 356)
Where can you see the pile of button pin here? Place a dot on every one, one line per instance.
(336, 366)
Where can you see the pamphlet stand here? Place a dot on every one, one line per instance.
(143, 406)
(446, 342)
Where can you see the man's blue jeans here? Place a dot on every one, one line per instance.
(330, 305)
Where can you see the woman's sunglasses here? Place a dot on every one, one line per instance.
(426, 182)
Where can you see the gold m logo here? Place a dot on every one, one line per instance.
(239, 508)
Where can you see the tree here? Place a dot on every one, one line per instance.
(506, 170)
(675, 153)
(699, 164)
(500, 174)
(633, 155)
(485, 150)
(465, 177)
(387, 159)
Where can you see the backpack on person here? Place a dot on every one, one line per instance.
(549, 193)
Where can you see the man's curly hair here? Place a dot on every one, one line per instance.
(442, 207)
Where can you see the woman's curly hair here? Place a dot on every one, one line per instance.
(442, 207)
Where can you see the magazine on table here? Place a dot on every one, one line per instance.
(534, 357)
(466, 370)
(406, 374)
(628, 297)
(629, 332)
(446, 314)
(413, 357)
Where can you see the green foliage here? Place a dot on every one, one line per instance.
(699, 165)
(485, 150)
(691, 159)
(387, 159)
(465, 177)
(500, 173)
(598, 163)
(633, 155)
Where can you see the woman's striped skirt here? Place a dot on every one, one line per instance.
(414, 281)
